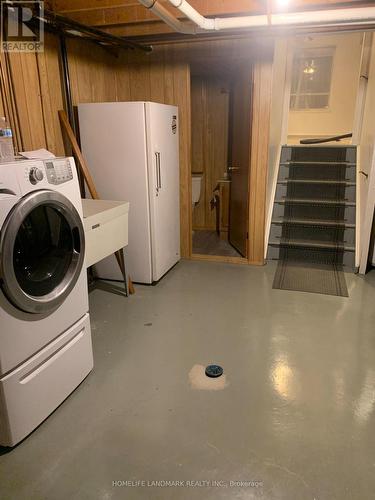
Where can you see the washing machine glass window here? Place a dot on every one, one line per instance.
(42, 251)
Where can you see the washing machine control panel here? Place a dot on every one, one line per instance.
(36, 175)
(58, 171)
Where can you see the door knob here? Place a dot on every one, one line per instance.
(233, 168)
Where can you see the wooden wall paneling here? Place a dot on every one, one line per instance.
(240, 160)
(79, 72)
(163, 76)
(51, 93)
(217, 53)
(259, 159)
(217, 143)
(4, 91)
(198, 145)
(209, 152)
(95, 71)
(8, 101)
(157, 81)
(72, 48)
(27, 92)
(33, 100)
(140, 82)
(123, 78)
(210, 116)
(92, 71)
(182, 100)
(132, 76)
(84, 63)
(159, 78)
(221, 122)
(224, 209)
(2, 105)
(20, 98)
(103, 67)
(168, 65)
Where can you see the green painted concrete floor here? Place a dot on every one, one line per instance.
(294, 418)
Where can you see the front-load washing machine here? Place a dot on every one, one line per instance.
(45, 337)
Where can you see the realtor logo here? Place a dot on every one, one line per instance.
(22, 27)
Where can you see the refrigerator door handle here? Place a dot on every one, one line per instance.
(158, 172)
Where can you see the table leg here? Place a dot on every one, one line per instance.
(123, 270)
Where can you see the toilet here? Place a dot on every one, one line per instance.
(196, 180)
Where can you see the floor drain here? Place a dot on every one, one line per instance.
(214, 371)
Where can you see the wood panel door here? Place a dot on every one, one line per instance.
(239, 163)
(210, 117)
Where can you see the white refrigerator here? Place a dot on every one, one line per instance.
(132, 151)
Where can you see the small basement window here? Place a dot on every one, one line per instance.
(311, 79)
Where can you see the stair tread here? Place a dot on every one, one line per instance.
(330, 163)
(312, 222)
(316, 201)
(316, 181)
(312, 244)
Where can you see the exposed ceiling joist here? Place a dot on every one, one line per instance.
(129, 18)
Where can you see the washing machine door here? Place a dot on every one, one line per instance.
(42, 250)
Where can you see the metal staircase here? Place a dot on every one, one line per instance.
(314, 210)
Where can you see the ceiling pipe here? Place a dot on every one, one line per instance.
(333, 17)
(321, 18)
(168, 18)
(204, 23)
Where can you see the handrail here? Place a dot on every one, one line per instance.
(335, 138)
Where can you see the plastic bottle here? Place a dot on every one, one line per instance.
(6, 141)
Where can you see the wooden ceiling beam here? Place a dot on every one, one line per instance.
(131, 19)
(205, 6)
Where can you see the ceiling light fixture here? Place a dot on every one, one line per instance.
(309, 69)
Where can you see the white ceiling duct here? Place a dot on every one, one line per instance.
(334, 17)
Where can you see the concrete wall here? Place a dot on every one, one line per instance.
(339, 117)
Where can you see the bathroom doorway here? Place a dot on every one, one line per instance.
(221, 132)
